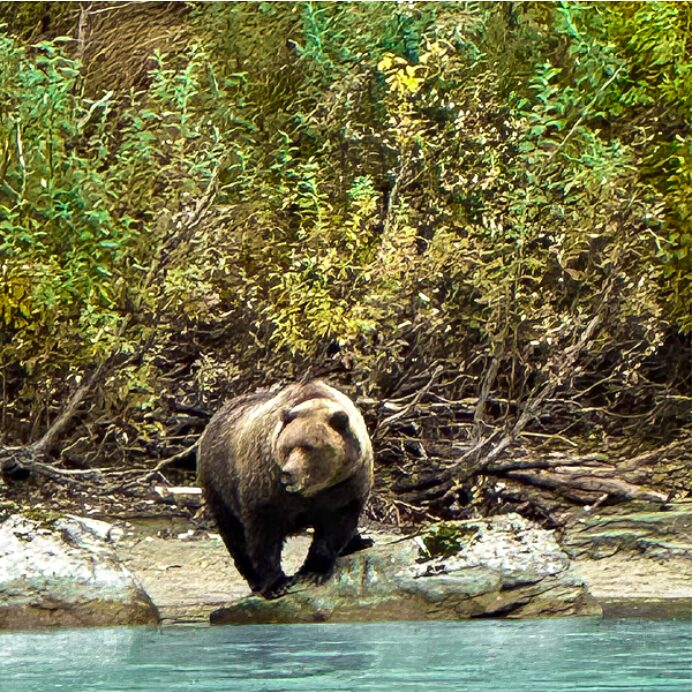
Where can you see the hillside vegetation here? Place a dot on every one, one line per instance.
(473, 217)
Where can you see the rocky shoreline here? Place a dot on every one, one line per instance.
(72, 572)
(501, 567)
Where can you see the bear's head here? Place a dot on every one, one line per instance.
(315, 447)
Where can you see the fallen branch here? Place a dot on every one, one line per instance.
(44, 445)
(19, 462)
(612, 487)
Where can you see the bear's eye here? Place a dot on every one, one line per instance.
(306, 448)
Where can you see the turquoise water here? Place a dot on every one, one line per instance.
(561, 654)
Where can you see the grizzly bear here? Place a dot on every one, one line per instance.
(273, 464)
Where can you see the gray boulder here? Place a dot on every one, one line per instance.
(65, 573)
(499, 567)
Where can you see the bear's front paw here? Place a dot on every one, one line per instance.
(276, 589)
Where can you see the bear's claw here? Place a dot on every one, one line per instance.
(277, 589)
(312, 578)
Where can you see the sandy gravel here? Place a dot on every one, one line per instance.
(641, 576)
(188, 577)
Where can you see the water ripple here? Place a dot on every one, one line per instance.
(562, 654)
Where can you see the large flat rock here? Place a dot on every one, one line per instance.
(65, 573)
(501, 567)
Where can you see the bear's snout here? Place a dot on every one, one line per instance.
(294, 474)
(292, 481)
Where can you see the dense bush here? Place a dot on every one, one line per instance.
(368, 190)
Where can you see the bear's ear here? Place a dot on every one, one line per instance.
(339, 420)
(287, 415)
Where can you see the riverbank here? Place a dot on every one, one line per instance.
(631, 568)
(64, 570)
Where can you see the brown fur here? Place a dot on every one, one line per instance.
(273, 464)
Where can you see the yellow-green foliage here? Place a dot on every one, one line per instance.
(402, 182)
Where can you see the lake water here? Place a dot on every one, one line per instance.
(500, 655)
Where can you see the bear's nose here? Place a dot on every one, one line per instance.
(291, 481)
